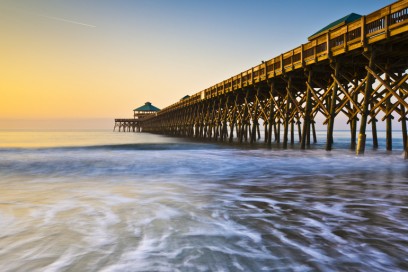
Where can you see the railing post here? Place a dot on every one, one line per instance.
(387, 22)
(315, 51)
(281, 64)
(328, 47)
(363, 31)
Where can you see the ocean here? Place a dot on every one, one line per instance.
(110, 201)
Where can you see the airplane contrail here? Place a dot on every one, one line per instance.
(27, 12)
(66, 20)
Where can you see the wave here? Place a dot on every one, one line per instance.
(121, 147)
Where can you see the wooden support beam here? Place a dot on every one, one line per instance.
(286, 119)
(243, 128)
(374, 127)
(353, 120)
(389, 117)
(348, 97)
(299, 128)
(292, 132)
(330, 126)
(308, 108)
(255, 117)
(271, 122)
(365, 112)
(233, 120)
(314, 131)
(319, 103)
(389, 127)
(404, 130)
(258, 130)
(387, 86)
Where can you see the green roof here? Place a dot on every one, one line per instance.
(147, 107)
(342, 21)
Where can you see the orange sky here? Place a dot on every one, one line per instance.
(92, 59)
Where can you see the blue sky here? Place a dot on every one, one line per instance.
(143, 50)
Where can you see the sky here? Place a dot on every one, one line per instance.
(75, 64)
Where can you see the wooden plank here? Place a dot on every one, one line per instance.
(338, 32)
(398, 6)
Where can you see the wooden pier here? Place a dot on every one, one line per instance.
(139, 114)
(127, 125)
(356, 67)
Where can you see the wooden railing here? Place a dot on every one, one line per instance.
(381, 24)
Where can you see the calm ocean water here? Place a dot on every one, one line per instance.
(103, 201)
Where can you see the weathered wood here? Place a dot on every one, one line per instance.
(365, 112)
(271, 122)
(255, 117)
(330, 127)
(374, 128)
(314, 131)
(299, 128)
(404, 129)
(258, 130)
(233, 120)
(389, 117)
(353, 120)
(292, 132)
(287, 113)
(308, 108)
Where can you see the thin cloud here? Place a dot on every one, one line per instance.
(31, 13)
(66, 20)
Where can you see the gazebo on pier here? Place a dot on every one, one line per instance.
(145, 110)
(139, 114)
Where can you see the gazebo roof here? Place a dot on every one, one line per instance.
(147, 107)
(342, 21)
